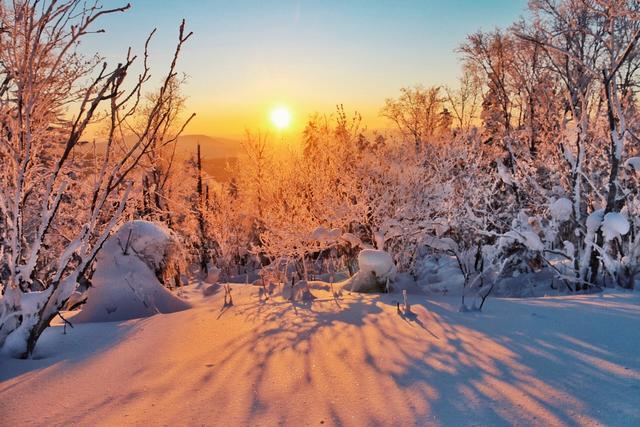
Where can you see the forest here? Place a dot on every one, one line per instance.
(521, 181)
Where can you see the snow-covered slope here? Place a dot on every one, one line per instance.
(353, 361)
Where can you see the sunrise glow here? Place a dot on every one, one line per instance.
(281, 118)
(368, 213)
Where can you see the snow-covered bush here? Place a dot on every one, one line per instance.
(376, 272)
(128, 278)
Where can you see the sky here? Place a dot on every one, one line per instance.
(247, 57)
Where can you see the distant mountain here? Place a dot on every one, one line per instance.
(219, 155)
(211, 147)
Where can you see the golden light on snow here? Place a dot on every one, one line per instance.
(281, 117)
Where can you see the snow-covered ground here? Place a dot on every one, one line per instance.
(572, 360)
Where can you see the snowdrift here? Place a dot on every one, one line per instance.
(125, 285)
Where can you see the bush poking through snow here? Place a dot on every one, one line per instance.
(298, 292)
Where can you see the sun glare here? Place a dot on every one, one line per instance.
(281, 118)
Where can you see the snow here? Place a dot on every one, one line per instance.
(125, 286)
(324, 235)
(375, 261)
(15, 343)
(569, 248)
(213, 274)
(532, 241)
(594, 220)
(441, 243)
(527, 237)
(614, 225)
(633, 163)
(561, 209)
(504, 173)
(299, 292)
(352, 239)
(376, 269)
(353, 361)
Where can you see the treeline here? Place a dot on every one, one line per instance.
(529, 163)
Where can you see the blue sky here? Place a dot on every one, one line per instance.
(247, 56)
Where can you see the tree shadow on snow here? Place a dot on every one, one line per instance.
(526, 362)
(370, 364)
(56, 347)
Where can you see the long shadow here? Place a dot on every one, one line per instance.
(79, 343)
(527, 375)
(523, 362)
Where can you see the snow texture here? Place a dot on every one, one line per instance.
(614, 225)
(125, 285)
(556, 361)
(526, 237)
(352, 239)
(376, 270)
(561, 209)
(504, 173)
(299, 292)
(633, 163)
(594, 220)
(213, 274)
(324, 235)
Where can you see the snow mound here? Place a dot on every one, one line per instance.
(594, 220)
(376, 261)
(376, 269)
(150, 241)
(614, 225)
(561, 209)
(213, 274)
(299, 292)
(125, 285)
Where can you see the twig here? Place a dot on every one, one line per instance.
(66, 322)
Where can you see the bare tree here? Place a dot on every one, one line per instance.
(465, 101)
(416, 113)
(44, 75)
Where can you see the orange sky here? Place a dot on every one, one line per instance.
(248, 56)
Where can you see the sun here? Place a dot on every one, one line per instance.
(281, 117)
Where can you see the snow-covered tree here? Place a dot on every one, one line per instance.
(49, 96)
